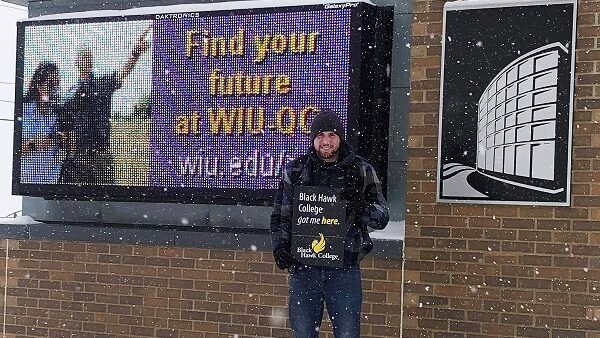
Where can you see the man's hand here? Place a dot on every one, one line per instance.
(140, 47)
(355, 201)
(284, 258)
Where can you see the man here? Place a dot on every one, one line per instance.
(87, 118)
(331, 163)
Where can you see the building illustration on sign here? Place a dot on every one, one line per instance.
(518, 131)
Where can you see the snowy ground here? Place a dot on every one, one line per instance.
(393, 231)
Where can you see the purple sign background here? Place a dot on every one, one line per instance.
(180, 87)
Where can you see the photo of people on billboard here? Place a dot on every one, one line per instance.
(88, 88)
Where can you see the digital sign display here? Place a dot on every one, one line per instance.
(233, 100)
(194, 106)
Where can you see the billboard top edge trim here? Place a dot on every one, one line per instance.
(481, 4)
(201, 7)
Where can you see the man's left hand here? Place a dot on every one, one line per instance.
(355, 201)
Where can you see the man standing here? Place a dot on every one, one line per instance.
(330, 163)
(87, 118)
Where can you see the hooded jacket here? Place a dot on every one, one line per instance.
(343, 174)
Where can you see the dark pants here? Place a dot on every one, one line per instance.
(339, 289)
(88, 166)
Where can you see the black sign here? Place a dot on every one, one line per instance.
(318, 226)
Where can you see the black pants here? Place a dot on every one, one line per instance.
(88, 166)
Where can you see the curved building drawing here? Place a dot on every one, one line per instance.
(506, 104)
(518, 124)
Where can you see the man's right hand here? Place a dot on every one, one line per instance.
(283, 258)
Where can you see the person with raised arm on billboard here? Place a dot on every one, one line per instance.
(87, 118)
(328, 192)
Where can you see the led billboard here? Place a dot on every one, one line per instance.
(198, 106)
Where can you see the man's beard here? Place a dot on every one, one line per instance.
(326, 154)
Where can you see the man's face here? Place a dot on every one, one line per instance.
(84, 63)
(327, 145)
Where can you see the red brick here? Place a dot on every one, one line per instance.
(553, 322)
(516, 223)
(533, 332)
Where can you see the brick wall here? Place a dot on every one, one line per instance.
(71, 289)
(501, 271)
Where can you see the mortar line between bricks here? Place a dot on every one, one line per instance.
(402, 289)
(5, 288)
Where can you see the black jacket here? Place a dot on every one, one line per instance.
(349, 172)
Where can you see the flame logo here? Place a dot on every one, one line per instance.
(318, 245)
